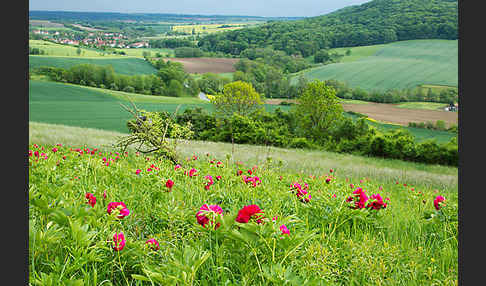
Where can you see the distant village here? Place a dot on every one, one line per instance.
(91, 39)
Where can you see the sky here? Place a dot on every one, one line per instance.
(265, 8)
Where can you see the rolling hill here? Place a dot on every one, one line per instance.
(397, 65)
(374, 22)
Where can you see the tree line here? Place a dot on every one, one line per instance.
(170, 80)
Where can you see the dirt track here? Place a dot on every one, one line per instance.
(392, 114)
(204, 65)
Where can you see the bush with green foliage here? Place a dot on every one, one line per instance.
(282, 129)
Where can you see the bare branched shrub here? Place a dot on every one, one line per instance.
(152, 133)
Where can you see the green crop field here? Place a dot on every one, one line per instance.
(423, 105)
(73, 105)
(132, 52)
(398, 65)
(128, 66)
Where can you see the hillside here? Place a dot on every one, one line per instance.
(398, 65)
(374, 22)
(127, 66)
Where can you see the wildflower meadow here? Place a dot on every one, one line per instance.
(124, 218)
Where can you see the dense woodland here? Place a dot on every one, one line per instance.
(375, 22)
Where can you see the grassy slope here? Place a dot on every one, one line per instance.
(128, 66)
(87, 107)
(75, 105)
(393, 247)
(294, 160)
(397, 65)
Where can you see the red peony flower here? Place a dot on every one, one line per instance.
(284, 230)
(118, 241)
(438, 202)
(91, 199)
(359, 199)
(119, 209)
(153, 244)
(301, 192)
(250, 212)
(192, 172)
(169, 184)
(376, 202)
(207, 215)
(137, 172)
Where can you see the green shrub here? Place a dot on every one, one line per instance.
(129, 89)
(301, 143)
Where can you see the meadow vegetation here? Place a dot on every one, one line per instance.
(126, 218)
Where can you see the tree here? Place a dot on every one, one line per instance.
(322, 56)
(237, 97)
(211, 83)
(175, 88)
(78, 51)
(319, 109)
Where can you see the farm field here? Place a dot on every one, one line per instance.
(121, 65)
(55, 49)
(404, 114)
(204, 65)
(312, 226)
(397, 65)
(356, 53)
(134, 52)
(422, 105)
(211, 28)
(73, 105)
(45, 24)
